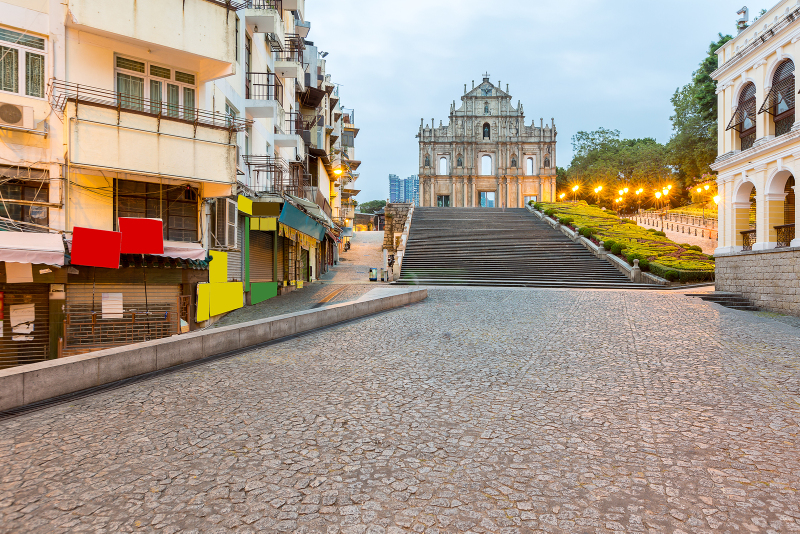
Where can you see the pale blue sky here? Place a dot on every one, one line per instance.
(587, 63)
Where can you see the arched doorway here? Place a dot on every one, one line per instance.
(780, 206)
(745, 216)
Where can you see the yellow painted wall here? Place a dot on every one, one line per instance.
(35, 5)
(203, 302)
(218, 267)
(226, 297)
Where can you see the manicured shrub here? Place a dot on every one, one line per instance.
(565, 220)
(536, 205)
(644, 265)
(696, 248)
(550, 212)
(672, 276)
(660, 234)
(652, 230)
(587, 232)
(608, 244)
(616, 249)
(687, 246)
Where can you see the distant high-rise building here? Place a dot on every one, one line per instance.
(411, 189)
(395, 188)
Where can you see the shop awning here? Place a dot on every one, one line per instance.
(347, 231)
(29, 247)
(294, 218)
(313, 209)
(184, 251)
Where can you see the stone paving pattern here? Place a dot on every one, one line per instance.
(477, 410)
(708, 245)
(352, 271)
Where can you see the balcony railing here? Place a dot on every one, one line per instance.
(294, 123)
(264, 86)
(277, 5)
(785, 235)
(293, 49)
(748, 239)
(61, 92)
(274, 175)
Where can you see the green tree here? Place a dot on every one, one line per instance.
(372, 206)
(561, 178)
(693, 146)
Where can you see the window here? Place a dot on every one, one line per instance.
(22, 65)
(780, 100)
(487, 131)
(443, 201)
(529, 167)
(143, 86)
(442, 166)
(487, 199)
(30, 191)
(528, 198)
(176, 205)
(744, 118)
(236, 39)
(486, 165)
(348, 139)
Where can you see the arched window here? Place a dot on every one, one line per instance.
(486, 166)
(459, 161)
(780, 99)
(442, 166)
(427, 160)
(529, 167)
(546, 163)
(513, 162)
(486, 108)
(744, 118)
(487, 131)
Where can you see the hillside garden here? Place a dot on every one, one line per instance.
(656, 253)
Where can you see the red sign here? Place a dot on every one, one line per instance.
(95, 248)
(141, 236)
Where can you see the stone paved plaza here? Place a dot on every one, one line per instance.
(477, 410)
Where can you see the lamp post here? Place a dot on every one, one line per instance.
(597, 193)
(575, 193)
(561, 196)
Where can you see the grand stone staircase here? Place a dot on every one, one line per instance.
(504, 248)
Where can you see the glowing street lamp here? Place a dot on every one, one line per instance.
(338, 172)
(561, 196)
(575, 193)
(625, 190)
(716, 199)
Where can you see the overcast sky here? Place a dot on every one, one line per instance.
(586, 63)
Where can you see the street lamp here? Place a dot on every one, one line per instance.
(561, 196)
(597, 193)
(575, 193)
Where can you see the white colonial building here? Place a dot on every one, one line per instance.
(486, 155)
(759, 155)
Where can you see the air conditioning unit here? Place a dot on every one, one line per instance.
(225, 215)
(14, 115)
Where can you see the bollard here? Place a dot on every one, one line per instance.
(636, 273)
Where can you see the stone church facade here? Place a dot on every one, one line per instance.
(486, 155)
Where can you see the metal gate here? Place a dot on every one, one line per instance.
(281, 256)
(100, 316)
(261, 255)
(25, 337)
(304, 265)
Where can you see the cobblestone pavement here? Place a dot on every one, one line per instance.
(366, 250)
(352, 272)
(477, 410)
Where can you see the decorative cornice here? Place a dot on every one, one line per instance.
(736, 158)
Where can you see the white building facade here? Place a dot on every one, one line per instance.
(759, 156)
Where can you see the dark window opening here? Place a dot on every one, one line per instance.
(28, 191)
(176, 205)
(487, 131)
(747, 116)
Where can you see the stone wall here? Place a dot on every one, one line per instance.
(396, 215)
(770, 279)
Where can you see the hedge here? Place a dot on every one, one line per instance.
(682, 276)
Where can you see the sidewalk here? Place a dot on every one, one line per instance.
(344, 282)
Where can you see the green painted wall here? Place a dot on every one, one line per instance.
(261, 291)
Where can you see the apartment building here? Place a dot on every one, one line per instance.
(215, 119)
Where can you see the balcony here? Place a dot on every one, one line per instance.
(289, 62)
(107, 130)
(266, 15)
(295, 5)
(196, 34)
(263, 95)
(290, 135)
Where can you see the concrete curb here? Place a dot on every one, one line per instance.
(27, 384)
